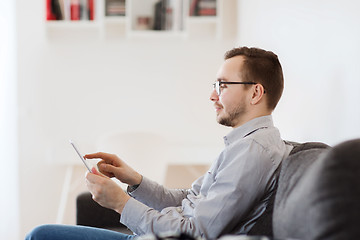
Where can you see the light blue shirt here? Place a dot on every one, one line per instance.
(229, 198)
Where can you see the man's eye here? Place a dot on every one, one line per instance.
(222, 85)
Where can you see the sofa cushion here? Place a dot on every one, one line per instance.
(264, 225)
(90, 213)
(318, 195)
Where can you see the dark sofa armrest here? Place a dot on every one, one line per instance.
(90, 213)
(319, 194)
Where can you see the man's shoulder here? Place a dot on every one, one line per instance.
(264, 137)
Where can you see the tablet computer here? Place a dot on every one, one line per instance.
(80, 155)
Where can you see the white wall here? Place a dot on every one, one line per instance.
(318, 45)
(85, 88)
(9, 185)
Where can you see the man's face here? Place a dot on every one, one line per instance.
(232, 106)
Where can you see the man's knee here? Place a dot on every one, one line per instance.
(40, 232)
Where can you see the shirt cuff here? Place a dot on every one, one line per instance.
(131, 189)
(132, 215)
(143, 191)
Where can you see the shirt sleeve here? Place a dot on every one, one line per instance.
(157, 196)
(156, 209)
(230, 190)
(142, 219)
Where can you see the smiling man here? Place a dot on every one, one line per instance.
(232, 195)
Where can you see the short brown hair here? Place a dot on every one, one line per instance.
(262, 67)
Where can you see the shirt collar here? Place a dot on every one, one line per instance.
(248, 128)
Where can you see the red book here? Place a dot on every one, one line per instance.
(75, 10)
(207, 12)
(194, 5)
(49, 13)
(91, 9)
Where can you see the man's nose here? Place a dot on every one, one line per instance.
(214, 96)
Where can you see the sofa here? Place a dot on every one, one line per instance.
(317, 197)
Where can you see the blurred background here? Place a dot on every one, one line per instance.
(115, 76)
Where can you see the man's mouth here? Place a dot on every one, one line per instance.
(217, 107)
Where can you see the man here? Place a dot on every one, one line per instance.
(233, 194)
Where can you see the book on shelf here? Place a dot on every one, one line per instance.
(53, 10)
(159, 18)
(70, 10)
(207, 12)
(168, 15)
(202, 8)
(91, 10)
(115, 8)
(75, 10)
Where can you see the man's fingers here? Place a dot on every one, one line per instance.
(106, 157)
(92, 178)
(100, 171)
(101, 155)
(95, 171)
(95, 176)
(107, 168)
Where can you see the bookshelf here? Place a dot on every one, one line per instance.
(138, 18)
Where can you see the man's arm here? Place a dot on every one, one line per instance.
(227, 194)
(142, 219)
(157, 196)
(149, 192)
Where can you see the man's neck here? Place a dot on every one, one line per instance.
(250, 117)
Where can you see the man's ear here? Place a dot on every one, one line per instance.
(258, 93)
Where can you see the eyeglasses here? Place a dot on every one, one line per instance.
(219, 85)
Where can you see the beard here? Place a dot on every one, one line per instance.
(231, 118)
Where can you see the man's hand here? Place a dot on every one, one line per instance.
(112, 166)
(105, 191)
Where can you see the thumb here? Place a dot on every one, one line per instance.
(96, 172)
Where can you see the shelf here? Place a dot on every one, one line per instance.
(72, 24)
(140, 20)
(203, 19)
(155, 34)
(72, 30)
(115, 19)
